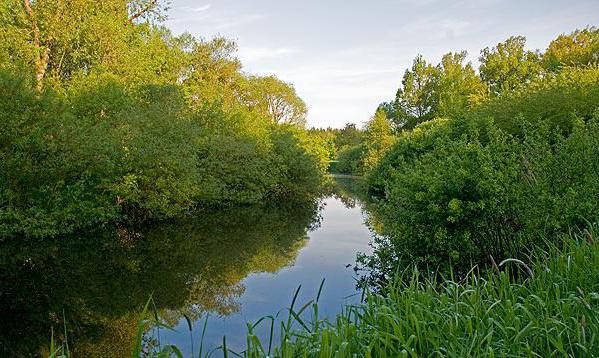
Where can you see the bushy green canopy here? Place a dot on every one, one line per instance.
(106, 116)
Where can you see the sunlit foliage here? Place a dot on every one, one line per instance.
(490, 180)
(106, 116)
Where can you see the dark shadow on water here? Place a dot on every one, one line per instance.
(100, 281)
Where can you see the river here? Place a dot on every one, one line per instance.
(232, 267)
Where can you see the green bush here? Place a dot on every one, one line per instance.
(54, 170)
(466, 190)
(349, 160)
(102, 152)
(299, 161)
(463, 191)
(233, 171)
(560, 98)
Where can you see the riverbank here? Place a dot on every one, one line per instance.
(234, 265)
(546, 307)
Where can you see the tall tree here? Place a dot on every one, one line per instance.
(416, 98)
(458, 85)
(508, 65)
(428, 91)
(378, 138)
(213, 74)
(56, 39)
(580, 48)
(277, 99)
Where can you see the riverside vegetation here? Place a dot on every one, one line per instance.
(544, 313)
(473, 171)
(107, 117)
(485, 179)
(486, 215)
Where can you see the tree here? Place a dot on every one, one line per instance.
(87, 35)
(388, 108)
(458, 85)
(348, 136)
(146, 10)
(428, 91)
(213, 74)
(507, 66)
(378, 138)
(416, 98)
(277, 99)
(580, 48)
(107, 117)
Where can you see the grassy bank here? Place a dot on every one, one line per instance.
(546, 307)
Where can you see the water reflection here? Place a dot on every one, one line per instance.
(217, 262)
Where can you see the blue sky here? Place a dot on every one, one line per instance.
(346, 56)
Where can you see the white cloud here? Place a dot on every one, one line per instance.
(345, 57)
(339, 86)
(201, 8)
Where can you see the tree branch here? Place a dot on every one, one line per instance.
(152, 4)
(36, 30)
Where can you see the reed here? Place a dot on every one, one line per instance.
(546, 307)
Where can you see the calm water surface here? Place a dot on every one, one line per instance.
(235, 266)
(328, 251)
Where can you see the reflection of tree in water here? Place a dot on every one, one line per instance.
(350, 192)
(102, 280)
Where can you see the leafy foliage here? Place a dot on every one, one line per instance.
(343, 148)
(278, 100)
(378, 138)
(349, 161)
(106, 117)
(416, 98)
(508, 66)
(493, 177)
(580, 48)
(463, 191)
(447, 89)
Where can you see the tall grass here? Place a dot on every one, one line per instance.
(547, 307)
(59, 348)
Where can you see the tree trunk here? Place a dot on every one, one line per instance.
(42, 52)
(42, 65)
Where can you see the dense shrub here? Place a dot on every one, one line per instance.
(114, 118)
(463, 191)
(299, 162)
(50, 178)
(233, 171)
(349, 160)
(102, 152)
(558, 97)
